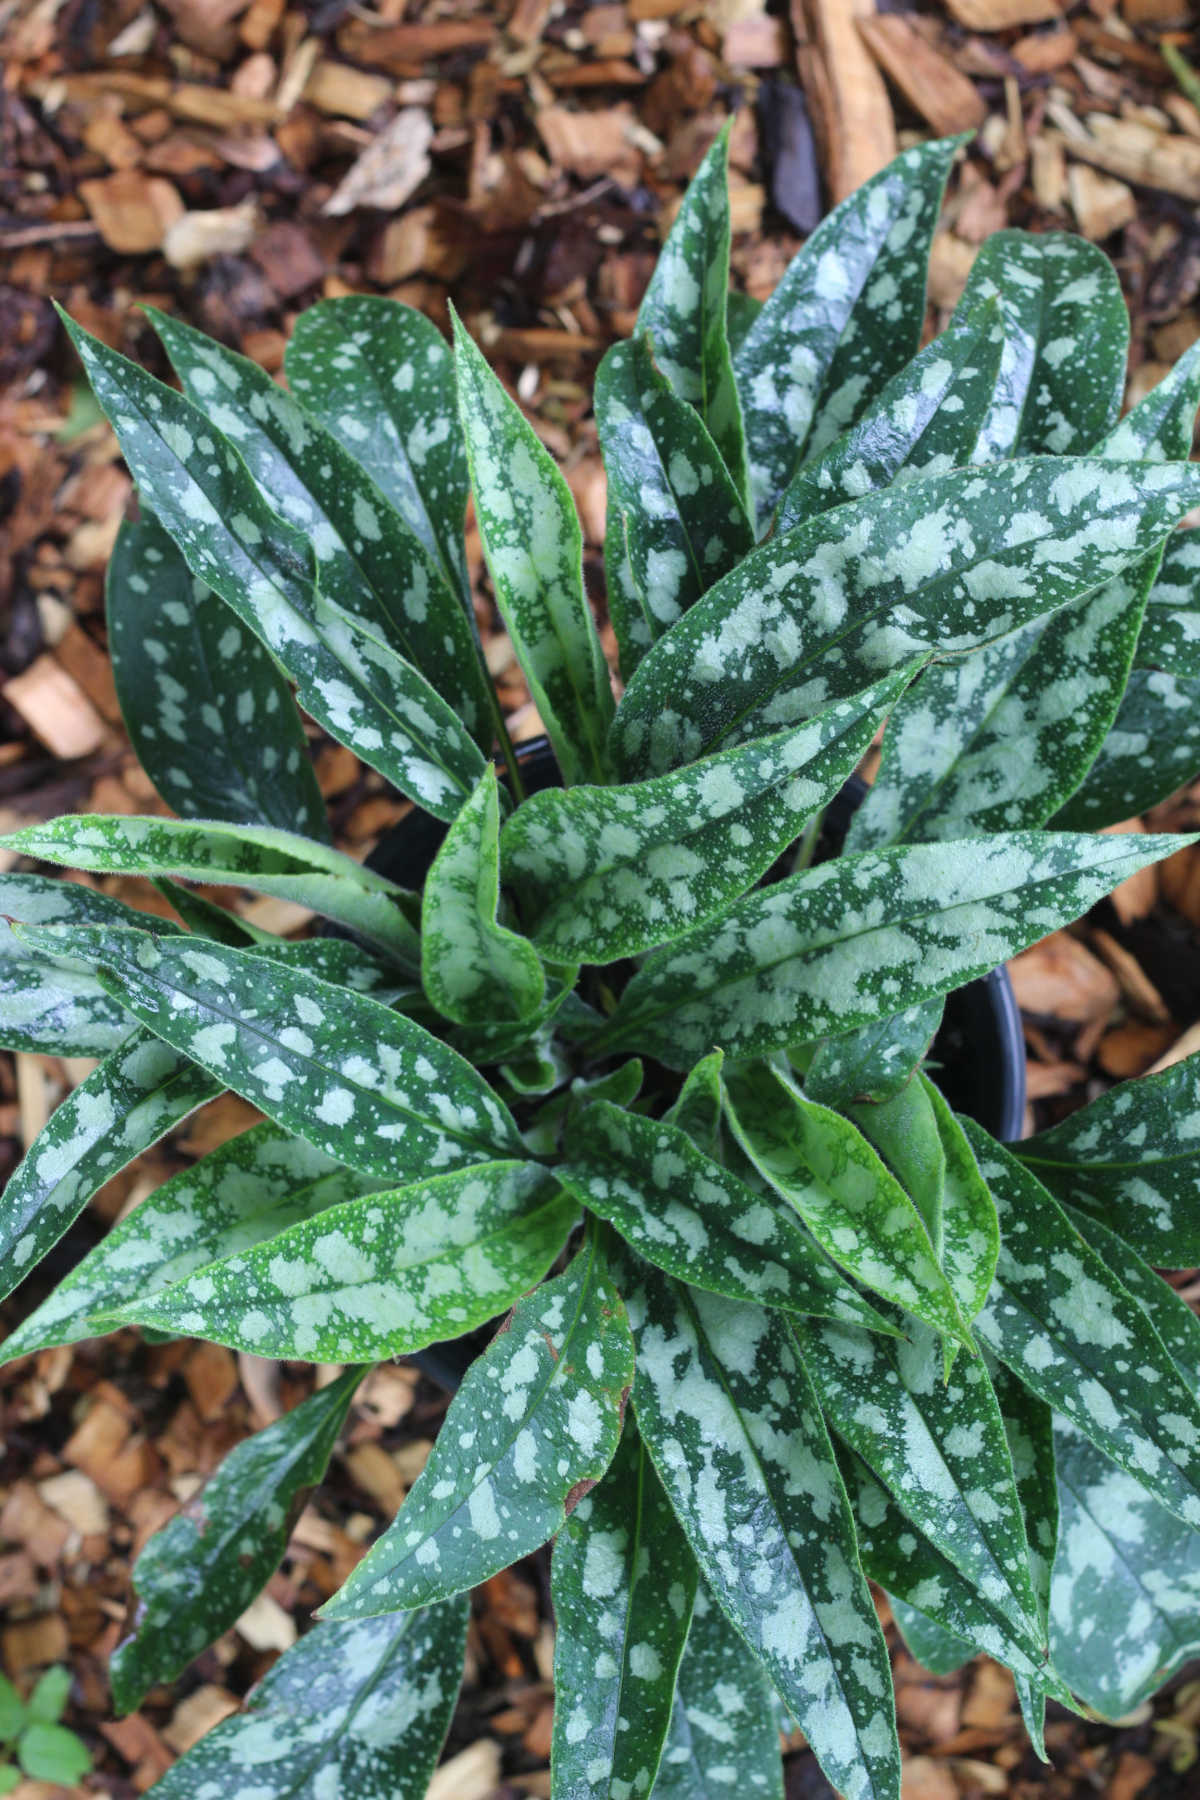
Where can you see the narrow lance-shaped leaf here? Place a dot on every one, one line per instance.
(537, 1415)
(809, 955)
(605, 873)
(693, 1218)
(874, 1062)
(363, 694)
(676, 521)
(623, 1581)
(730, 1418)
(370, 561)
(925, 421)
(359, 1709)
(46, 1006)
(905, 1131)
(1152, 749)
(370, 1088)
(937, 567)
(210, 716)
(383, 1276)
(255, 856)
(697, 1107)
(1073, 1334)
(380, 377)
(249, 1189)
(1170, 637)
(723, 1734)
(471, 966)
(846, 317)
(853, 1205)
(970, 1230)
(683, 308)
(1132, 1159)
(141, 1089)
(196, 1577)
(534, 549)
(1029, 1427)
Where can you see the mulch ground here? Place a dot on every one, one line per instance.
(234, 160)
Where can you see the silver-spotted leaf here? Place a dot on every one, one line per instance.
(52, 1007)
(1152, 749)
(876, 1061)
(970, 1231)
(723, 1738)
(696, 1108)
(1170, 636)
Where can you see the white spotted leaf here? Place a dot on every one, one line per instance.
(1152, 749)
(875, 1062)
(356, 687)
(731, 1421)
(47, 1006)
(723, 1734)
(380, 1276)
(1170, 637)
(623, 1581)
(604, 873)
(537, 1417)
(970, 1242)
(846, 316)
(210, 716)
(372, 1089)
(140, 1090)
(472, 967)
(838, 945)
(196, 1577)
(534, 548)
(690, 1216)
(359, 1709)
(676, 521)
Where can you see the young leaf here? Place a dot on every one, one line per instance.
(46, 1006)
(939, 1445)
(369, 560)
(683, 309)
(812, 954)
(353, 685)
(622, 1581)
(1170, 637)
(383, 1276)
(52, 1753)
(359, 1709)
(1132, 1159)
(605, 873)
(538, 1415)
(534, 549)
(1152, 749)
(1071, 1332)
(697, 1107)
(254, 856)
(196, 1577)
(852, 1204)
(370, 1088)
(906, 1132)
(51, 1691)
(845, 318)
(13, 1712)
(246, 1191)
(688, 1215)
(471, 966)
(925, 421)
(380, 377)
(723, 1736)
(677, 522)
(875, 1062)
(141, 1090)
(1063, 372)
(970, 1231)
(210, 716)
(938, 567)
(730, 1418)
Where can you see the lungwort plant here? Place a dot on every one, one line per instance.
(633, 1062)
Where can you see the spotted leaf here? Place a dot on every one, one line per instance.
(1074, 1335)
(676, 521)
(937, 567)
(537, 1415)
(471, 966)
(370, 561)
(838, 945)
(731, 1421)
(723, 1738)
(372, 1089)
(605, 873)
(1170, 637)
(934, 1647)
(196, 1577)
(359, 1709)
(210, 716)
(683, 309)
(623, 1581)
(845, 318)
(1029, 1427)
(359, 690)
(697, 1107)
(970, 1237)
(140, 1090)
(534, 550)
(47, 1006)
(875, 1062)
(254, 856)
(1131, 1159)
(687, 1214)
(385, 1275)
(1152, 749)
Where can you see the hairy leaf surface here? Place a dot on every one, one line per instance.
(723, 1737)
(876, 1061)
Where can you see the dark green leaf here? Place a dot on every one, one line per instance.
(48, 1006)
(1170, 637)
(1152, 749)
(940, 1651)
(723, 1736)
(876, 1061)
